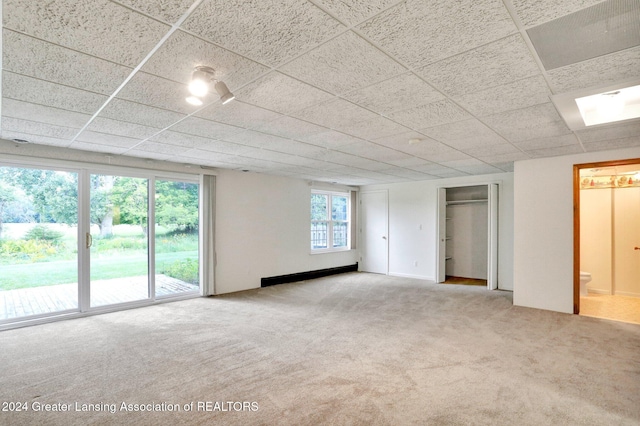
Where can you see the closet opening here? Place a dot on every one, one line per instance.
(468, 235)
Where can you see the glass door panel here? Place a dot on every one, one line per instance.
(119, 258)
(176, 238)
(38, 242)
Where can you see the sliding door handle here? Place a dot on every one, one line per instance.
(89, 240)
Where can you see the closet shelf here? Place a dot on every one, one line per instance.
(457, 202)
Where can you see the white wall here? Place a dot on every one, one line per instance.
(413, 209)
(262, 230)
(543, 228)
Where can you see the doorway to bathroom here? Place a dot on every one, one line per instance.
(607, 240)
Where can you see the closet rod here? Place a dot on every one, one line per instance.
(453, 203)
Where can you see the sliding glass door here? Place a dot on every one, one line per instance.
(176, 237)
(73, 241)
(38, 242)
(118, 240)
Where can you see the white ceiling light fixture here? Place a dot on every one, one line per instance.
(201, 78)
(225, 94)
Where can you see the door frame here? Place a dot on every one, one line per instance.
(493, 208)
(576, 219)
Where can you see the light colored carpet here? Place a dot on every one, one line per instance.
(357, 348)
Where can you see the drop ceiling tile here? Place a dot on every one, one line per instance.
(119, 109)
(610, 132)
(424, 149)
(409, 161)
(158, 148)
(106, 139)
(335, 114)
(330, 139)
(238, 114)
(550, 142)
(92, 147)
(205, 128)
(398, 93)
(352, 160)
(430, 115)
(532, 13)
(480, 169)
(376, 128)
(182, 140)
(612, 144)
(432, 169)
(450, 173)
(275, 143)
(419, 32)
(256, 139)
(534, 122)
(372, 151)
(506, 166)
(446, 156)
(28, 127)
(167, 11)
(149, 155)
(486, 151)
(43, 114)
(409, 174)
(158, 92)
(501, 62)
(457, 164)
(269, 31)
(354, 11)
(182, 52)
(290, 127)
(555, 151)
(505, 158)
(34, 139)
(280, 93)
(400, 140)
(121, 128)
(27, 89)
(360, 64)
(99, 28)
(35, 58)
(599, 71)
(464, 134)
(211, 158)
(519, 94)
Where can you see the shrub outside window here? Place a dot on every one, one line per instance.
(330, 213)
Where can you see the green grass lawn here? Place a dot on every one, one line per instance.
(130, 263)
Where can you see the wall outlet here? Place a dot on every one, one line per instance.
(415, 263)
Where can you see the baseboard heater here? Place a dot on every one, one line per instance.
(302, 276)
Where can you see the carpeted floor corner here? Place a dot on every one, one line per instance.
(357, 348)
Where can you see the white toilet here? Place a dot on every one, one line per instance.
(585, 277)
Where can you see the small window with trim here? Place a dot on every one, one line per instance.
(330, 217)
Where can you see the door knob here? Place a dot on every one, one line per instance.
(636, 248)
(384, 238)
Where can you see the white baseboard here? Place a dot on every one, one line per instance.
(420, 277)
(627, 293)
(598, 291)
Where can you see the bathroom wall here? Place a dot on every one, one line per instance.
(596, 238)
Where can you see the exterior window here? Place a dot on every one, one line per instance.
(330, 213)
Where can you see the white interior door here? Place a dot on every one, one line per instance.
(492, 267)
(441, 264)
(627, 242)
(374, 232)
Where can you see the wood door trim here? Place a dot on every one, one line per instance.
(576, 219)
